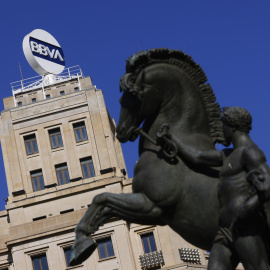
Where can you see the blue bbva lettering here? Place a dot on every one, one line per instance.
(45, 51)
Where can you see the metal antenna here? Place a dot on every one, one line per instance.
(21, 74)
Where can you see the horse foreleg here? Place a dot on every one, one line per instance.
(135, 207)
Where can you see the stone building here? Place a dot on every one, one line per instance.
(60, 150)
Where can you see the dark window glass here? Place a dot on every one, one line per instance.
(80, 132)
(87, 167)
(48, 96)
(105, 248)
(62, 174)
(55, 138)
(40, 262)
(19, 103)
(76, 89)
(37, 180)
(67, 252)
(148, 242)
(34, 100)
(62, 93)
(31, 144)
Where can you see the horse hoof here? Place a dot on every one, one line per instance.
(82, 250)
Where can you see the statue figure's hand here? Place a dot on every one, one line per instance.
(163, 138)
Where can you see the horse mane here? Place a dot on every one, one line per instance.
(137, 62)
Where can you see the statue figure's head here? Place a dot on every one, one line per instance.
(237, 118)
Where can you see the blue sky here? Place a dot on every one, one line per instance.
(229, 39)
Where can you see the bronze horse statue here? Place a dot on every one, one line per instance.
(160, 87)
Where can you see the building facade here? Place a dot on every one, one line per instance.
(60, 150)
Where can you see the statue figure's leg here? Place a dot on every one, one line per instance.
(252, 252)
(222, 258)
(132, 207)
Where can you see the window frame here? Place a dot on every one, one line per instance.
(32, 179)
(58, 169)
(80, 128)
(67, 247)
(56, 138)
(104, 239)
(39, 255)
(148, 242)
(31, 143)
(87, 161)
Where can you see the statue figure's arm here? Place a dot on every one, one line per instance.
(254, 161)
(210, 158)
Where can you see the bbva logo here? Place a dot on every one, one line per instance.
(47, 51)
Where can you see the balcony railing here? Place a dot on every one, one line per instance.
(190, 255)
(150, 260)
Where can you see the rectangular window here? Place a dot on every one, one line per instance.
(48, 96)
(148, 242)
(105, 248)
(67, 251)
(40, 262)
(80, 132)
(76, 89)
(19, 103)
(34, 100)
(62, 174)
(55, 138)
(62, 93)
(37, 180)
(87, 167)
(31, 144)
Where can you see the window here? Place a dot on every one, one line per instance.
(19, 103)
(80, 132)
(40, 262)
(55, 138)
(148, 242)
(87, 167)
(67, 252)
(34, 100)
(48, 96)
(31, 144)
(105, 248)
(37, 180)
(76, 89)
(62, 93)
(62, 174)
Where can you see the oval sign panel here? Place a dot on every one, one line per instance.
(43, 52)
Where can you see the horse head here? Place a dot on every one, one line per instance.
(138, 102)
(167, 84)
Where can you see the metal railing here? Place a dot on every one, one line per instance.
(190, 255)
(45, 80)
(152, 259)
(38, 82)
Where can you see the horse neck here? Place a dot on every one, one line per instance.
(184, 111)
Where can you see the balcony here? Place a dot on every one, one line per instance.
(151, 260)
(190, 255)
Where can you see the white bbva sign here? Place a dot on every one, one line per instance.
(43, 52)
